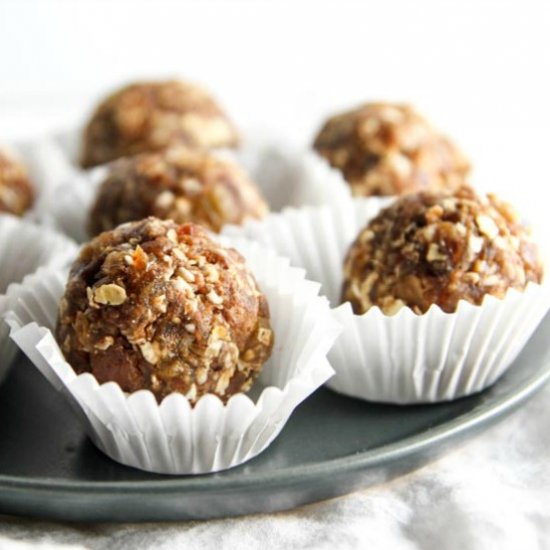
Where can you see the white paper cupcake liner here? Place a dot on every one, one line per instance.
(291, 177)
(24, 247)
(405, 358)
(66, 208)
(173, 437)
(48, 166)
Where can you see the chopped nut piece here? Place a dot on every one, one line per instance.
(434, 255)
(182, 285)
(165, 199)
(264, 336)
(475, 244)
(214, 298)
(471, 277)
(192, 186)
(160, 303)
(149, 353)
(172, 235)
(105, 343)
(449, 204)
(90, 296)
(178, 254)
(186, 274)
(16, 190)
(201, 376)
(223, 381)
(487, 226)
(110, 294)
(211, 274)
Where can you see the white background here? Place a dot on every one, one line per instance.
(478, 69)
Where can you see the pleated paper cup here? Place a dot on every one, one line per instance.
(405, 358)
(48, 166)
(289, 176)
(174, 437)
(24, 247)
(68, 205)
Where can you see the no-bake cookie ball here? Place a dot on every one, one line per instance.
(438, 248)
(180, 184)
(16, 191)
(389, 149)
(149, 116)
(160, 306)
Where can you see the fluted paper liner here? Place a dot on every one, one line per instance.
(68, 205)
(48, 166)
(173, 437)
(405, 358)
(291, 177)
(24, 247)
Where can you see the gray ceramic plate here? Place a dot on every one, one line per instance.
(331, 446)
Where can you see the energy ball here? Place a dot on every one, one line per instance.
(160, 306)
(16, 191)
(439, 248)
(387, 149)
(180, 184)
(149, 116)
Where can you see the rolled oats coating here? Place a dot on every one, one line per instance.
(16, 191)
(180, 184)
(160, 306)
(389, 149)
(149, 116)
(439, 248)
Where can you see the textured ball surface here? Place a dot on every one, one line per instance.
(149, 116)
(387, 149)
(16, 191)
(180, 184)
(439, 248)
(160, 306)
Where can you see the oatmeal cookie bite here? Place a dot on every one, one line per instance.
(16, 190)
(160, 306)
(181, 184)
(439, 248)
(389, 149)
(211, 334)
(441, 291)
(149, 116)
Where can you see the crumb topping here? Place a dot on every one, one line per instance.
(438, 248)
(389, 149)
(160, 306)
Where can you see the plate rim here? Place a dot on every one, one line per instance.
(481, 416)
